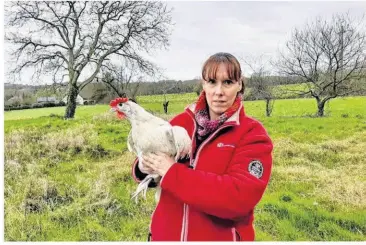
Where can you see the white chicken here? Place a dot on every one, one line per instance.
(151, 134)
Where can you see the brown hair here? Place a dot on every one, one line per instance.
(209, 68)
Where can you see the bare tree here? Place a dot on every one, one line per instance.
(75, 39)
(123, 80)
(328, 55)
(166, 102)
(103, 91)
(167, 87)
(260, 83)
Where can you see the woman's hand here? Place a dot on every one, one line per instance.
(159, 162)
(145, 169)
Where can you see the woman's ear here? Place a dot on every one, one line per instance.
(242, 86)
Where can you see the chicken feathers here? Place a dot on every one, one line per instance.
(151, 134)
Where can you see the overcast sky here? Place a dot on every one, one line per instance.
(242, 28)
(245, 29)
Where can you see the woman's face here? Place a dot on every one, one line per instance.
(220, 92)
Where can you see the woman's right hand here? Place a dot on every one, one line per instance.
(145, 169)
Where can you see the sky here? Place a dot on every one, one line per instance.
(245, 29)
(248, 30)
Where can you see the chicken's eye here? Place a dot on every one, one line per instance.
(120, 104)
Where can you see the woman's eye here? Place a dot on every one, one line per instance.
(228, 82)
(211, 81)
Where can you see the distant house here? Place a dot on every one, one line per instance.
(86, 96)
(79, 100)
(41, 100)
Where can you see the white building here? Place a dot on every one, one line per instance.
(47, 100)
(79, 100)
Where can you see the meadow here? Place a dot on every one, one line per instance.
(70, 180)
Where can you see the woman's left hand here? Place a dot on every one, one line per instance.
(159, 162)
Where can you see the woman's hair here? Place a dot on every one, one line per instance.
(209, 68)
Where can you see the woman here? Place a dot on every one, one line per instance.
(212, 196)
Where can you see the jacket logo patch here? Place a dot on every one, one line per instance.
(225, 145)
(256, 168)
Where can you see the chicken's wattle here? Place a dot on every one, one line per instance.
(120, 115)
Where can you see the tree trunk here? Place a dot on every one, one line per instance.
(269, 106)
(320, 108)
(165, 104)
(71, 101)
(268, 109)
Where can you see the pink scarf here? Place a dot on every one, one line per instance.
(207, 126)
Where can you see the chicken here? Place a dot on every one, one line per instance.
(151, 134)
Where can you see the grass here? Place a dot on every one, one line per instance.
(70, 180)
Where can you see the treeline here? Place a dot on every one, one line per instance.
(194, 85)
(19, 96)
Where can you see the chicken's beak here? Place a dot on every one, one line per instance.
(120, 115)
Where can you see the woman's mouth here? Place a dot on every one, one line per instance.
(218, 103)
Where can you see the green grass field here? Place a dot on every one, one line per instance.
(69, 180)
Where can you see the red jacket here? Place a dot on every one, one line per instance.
(212, 197)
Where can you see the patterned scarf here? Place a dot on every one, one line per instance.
(207, 126)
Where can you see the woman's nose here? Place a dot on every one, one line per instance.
(218, 89)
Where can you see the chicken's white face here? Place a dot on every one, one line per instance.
(124, 107)
(121, 106)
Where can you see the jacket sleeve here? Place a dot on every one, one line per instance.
(231, 195)
(137, 175)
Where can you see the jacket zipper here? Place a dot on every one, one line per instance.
(184, 233)
(183, 236)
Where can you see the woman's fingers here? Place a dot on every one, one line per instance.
(152, 158)
(150, 155)
(149, 162)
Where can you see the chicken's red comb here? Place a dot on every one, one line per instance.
(117, 101)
